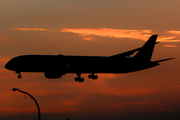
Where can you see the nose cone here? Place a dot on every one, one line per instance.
(8, 66)
(11, 65)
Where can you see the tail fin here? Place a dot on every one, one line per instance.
(145, 53)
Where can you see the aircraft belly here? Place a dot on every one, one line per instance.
(96, 69)
(112, 68)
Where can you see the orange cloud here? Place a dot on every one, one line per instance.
(34, 29)
(170, 46)
(105, 88)
(17, 110)
(167, 39)
(30, 110)
(106, 32)
(120, 33)
(85, 33)
(116, 105)
(175, 32)
(58, 110)
(87, 38)
(138, 103)
(67, 103)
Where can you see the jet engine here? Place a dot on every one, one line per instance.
(53, 75)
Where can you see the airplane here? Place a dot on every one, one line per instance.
(55, 66)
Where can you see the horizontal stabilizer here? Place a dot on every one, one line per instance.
(164, 60)
(157, 42)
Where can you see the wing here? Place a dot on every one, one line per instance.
(125, 54)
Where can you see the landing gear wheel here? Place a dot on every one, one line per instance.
(79, 79)
(95, 77)
(90, 76)
(76, 79)
(19, 76)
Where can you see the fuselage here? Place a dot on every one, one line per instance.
(75, 64)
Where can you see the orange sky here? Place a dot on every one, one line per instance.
(91, 27)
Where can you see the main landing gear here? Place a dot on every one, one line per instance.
(19, 76)
(82, 79)
(79, 78)
(93, 76)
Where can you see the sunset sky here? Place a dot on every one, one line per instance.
(91, 28)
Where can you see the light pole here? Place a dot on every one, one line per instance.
(39, 114)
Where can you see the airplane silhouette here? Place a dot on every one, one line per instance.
(55, 66)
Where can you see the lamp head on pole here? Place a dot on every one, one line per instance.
(14, 89)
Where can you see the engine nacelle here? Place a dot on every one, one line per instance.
(53, 75)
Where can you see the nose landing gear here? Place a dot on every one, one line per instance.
(19, 76)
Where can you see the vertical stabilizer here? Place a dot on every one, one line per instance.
(145, 53)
